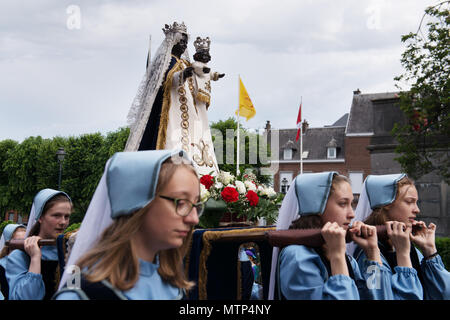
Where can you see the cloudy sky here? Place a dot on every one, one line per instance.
(73, 67)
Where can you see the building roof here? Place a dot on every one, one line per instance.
(315, 141)
(361, 117)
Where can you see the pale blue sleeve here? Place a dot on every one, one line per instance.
(304, 277)
(436, 278)
(1, 296)
(23, 285)
(403, 284)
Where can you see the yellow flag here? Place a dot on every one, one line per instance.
(246, 108)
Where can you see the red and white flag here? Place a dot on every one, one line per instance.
(299, 122)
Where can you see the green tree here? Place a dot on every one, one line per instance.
(5, 147)
(252, 143)
(32, 165)
(424, 142)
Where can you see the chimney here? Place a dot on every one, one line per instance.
(357, 91)
(305, 126)
(268, 126)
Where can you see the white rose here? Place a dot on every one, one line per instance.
(225, 177)
(240, 186)
(204, 193)
(218, 185)
(271, 192)
(250, 185)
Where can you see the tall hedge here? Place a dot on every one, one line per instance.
(29, 166)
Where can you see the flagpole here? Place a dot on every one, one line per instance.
(301, 139)
(237, 155)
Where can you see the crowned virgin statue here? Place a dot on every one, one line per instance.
(168, 111)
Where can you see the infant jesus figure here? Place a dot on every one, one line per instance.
(202, 73)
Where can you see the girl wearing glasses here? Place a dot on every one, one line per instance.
(136, 232)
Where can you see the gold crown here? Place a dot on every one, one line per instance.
(202, 44)
(174, 28)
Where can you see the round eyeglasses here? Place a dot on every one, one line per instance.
(184, 206)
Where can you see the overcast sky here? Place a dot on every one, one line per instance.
(60, 75)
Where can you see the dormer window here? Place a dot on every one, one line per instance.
(288, 150)
(331, 149)
(331, 154)
(287, 154)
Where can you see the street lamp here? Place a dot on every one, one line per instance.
(284, 183)
(60, 154)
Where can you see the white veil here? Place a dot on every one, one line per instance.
(31, 220)
(97, 219)
(362, 212)
(288, 213)
(141, 107)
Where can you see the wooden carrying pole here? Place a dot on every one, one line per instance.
(19, 244)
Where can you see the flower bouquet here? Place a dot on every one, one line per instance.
(231, 200)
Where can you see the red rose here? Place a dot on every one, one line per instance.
(253, 198)
(229, 194)
(207, 181)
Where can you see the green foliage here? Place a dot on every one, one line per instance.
(32, 165)
(3, 224)
(443, 247)
(253, 142)
(72, 227)
(424, 142)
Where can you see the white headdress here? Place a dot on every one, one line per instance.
(148, 89)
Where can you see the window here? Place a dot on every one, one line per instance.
(331, 154)
(11, 216)
(356, 179)
(305, 154)
(287, 154)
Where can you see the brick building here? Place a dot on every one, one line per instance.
(358, 144)
(340, 147)
(16, 217)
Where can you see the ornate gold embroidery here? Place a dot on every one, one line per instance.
(164, 120)
(205, 158)
(208, 86)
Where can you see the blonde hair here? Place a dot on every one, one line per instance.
(115, 258)
(314, 221)
(5, 250)
(380, 215)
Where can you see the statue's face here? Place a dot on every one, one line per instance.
(202, 56)
(181, 45)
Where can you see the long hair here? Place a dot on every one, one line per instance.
(115, 258)
(380, 215)
(49, 204)
(6, 250)
(314, 221)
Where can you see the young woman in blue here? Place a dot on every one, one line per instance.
(10, 232)
(322, 200)
(413, 274)
(32, 273)
(136, 232)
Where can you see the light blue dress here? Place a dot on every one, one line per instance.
(404, 283)
(25, 285)
(436, 278)
(304, 276)
(150, 286)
